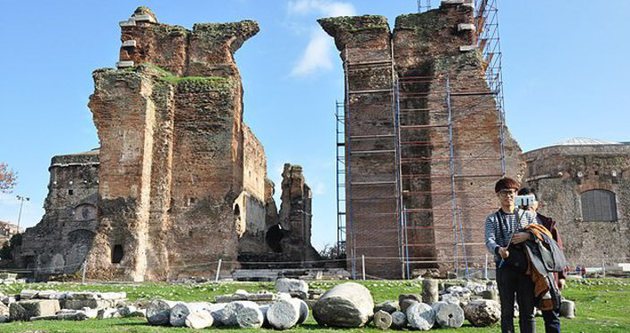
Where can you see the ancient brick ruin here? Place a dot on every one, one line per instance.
(61, 240)
(424, 140)
(584, 186)
(180, 181)
(7, 230)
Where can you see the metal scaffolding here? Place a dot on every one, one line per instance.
(425, 130)
(363, 192)
(424, 5)
(341, 176)
(486, 20)
(489, 44)
(417, 190)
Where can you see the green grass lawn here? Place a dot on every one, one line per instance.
(603, 305)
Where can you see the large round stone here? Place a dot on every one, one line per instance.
(406, 300)
(216, 310)
(399, 320)
(387, 306)
(250, 316)
(448, 315)
(382, 320)
(567, 309)
(303, 312)
(346, 305)
(420, 316)
(284, 313)
(199, 320)
(159, 312)
(482, 312)
(228, 314)
(180, 311)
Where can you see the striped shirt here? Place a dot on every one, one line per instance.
(510, 223)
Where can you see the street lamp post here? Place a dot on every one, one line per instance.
(21, 199)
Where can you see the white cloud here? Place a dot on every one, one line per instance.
(319, 188)
(319, 50)
(321, 7)
(316, 56)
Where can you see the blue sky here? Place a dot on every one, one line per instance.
(565, 66)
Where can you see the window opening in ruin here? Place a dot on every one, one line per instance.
(237, 211)
(599, 206)
(70, 192)
(84, 212)
(273, 237)
(171, 205)
(29, 261)
(117, 254)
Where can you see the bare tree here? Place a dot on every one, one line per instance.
(8, 178)
(331, 252)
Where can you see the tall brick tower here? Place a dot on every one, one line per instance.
(425, 140)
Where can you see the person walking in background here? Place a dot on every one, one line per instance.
(551, 317)
(503, 237)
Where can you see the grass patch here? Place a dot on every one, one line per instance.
(602, 305)
(185, 82)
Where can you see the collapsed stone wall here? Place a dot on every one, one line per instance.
(424, 52)
(61, 240)
(7, 230)
(560, 175)
(295, 214)
(288, 232)
(254, 165)
(249, 208)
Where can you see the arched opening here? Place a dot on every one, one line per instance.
(237, 211)
(599, 206)
(84, 212)
(117, 254)
(274, 235)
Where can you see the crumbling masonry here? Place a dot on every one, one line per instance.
(180, 181)
(584, 185)
(424, 141)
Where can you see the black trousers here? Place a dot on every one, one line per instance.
(511, 283)
(552, 321)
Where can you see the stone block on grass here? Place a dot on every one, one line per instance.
(24, 310)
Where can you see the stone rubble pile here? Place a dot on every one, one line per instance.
(444, 304)
(282, 310)
(56, 305)
(10, 278)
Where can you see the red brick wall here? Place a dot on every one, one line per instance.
(426, 50)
